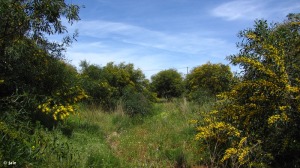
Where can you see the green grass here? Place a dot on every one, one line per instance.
(162, 139)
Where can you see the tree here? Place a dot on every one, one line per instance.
(33, 20)
(36, 83)
(25, 51)
(263, 109)
(31, 64)
(209, 80)
(112, 83)
(167, 84)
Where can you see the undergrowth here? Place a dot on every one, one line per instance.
(165, 138)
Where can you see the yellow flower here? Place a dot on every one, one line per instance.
(242, 141)
(284, 117)
(229, 153)
(243, 154)
(251, 36)
(273, 119)
(54, 117)
(193, 121)
(282, 108)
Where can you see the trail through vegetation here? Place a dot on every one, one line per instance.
(164, 139)
(54, 115)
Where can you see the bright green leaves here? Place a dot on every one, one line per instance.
(29, 64)
(37, 87)
(109, 85)
(167, 84)
(208, 79)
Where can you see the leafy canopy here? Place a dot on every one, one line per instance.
(167, 84)
(208, 80)
(35, 82)
(113, 83)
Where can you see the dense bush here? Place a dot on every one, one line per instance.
(29, 63)
(167, 84)
(31, 145)
(136, 103)
(36, 86)
(109, 85)
(256, 123)
(208, 80)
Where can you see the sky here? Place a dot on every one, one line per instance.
(156, 35)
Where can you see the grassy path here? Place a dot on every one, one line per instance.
(164, 139)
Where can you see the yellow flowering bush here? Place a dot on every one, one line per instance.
(216, 130)
(31, 71)
(264, 107)
(62, 105)
(213, 135)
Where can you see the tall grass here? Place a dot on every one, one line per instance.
(163, 139)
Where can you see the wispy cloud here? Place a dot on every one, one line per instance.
(240, 9)
(255, 9)
(190, 43)
(147, 49)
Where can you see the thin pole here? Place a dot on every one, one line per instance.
(187, 70)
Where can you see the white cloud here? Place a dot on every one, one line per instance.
(191, 43)
(240, 9)
(147, 49)
(255, 9)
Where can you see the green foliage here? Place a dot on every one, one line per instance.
(136, 103)
(113, 83)
(263, 108)
(201, 96)
(167, 84)
(32, 146)
(34, 20)
(208, 80)
(28, 62)
(37, 86)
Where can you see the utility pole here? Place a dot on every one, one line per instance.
(187, 70)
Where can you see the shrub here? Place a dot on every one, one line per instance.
(201, 96)
(36, 85)
(30, 145)
(208, 80)
(264, 106)
(107, 85)
(136, 103)
(167, 84)
(28, 62)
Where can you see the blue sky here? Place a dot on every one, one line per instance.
(156, 35)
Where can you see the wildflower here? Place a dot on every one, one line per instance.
(242, 141)
(54, 117)
(273, 119)
(282, 108)
(229, 153)
(243, 154)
